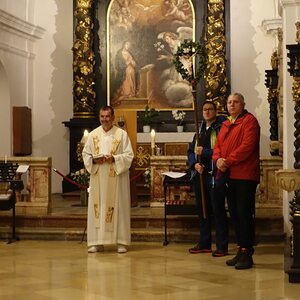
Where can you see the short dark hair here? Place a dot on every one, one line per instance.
(108, 107)
(209, 102)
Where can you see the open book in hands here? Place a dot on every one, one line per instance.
(98, 156)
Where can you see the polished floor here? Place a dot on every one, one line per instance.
(63, 270)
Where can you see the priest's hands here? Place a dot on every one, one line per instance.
(109, 159)
(104, 159)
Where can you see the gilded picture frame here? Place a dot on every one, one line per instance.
(142, 36)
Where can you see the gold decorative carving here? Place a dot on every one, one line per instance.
(216, 80)
(84, 61)
(274, 60)
(79, 148)
(296, 89)
(272, 94)
(142, 156)
(272, 79)
(280, 88)
(84, 3)
(297, 32)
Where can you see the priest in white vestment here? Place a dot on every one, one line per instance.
(107, 156)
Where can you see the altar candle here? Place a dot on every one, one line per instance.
(5, 158)
(152, 138)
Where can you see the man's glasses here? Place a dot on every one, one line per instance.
(208, 109)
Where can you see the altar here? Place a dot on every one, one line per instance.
(268, 195)
(172, 156)
(163, 164)
(174, 147)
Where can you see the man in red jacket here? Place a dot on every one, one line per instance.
(236, 154)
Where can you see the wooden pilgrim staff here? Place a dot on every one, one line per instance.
(189, 50)
(203, 200)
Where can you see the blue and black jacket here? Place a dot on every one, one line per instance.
(207, 140)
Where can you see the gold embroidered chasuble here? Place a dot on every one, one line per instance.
(109, 194)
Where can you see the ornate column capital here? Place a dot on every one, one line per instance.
(271, 26)
(85, 3)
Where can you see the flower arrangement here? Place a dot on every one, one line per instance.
(147, 178)
(179, 116)
(150, 115)
(81, 176)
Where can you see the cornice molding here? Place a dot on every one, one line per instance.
(20, 27)
(19, 52)
(284, 3)
(271, 26)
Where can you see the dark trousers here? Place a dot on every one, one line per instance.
(215, 211)
(241, 205)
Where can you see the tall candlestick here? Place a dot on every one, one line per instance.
(5, 158)
(152, 139)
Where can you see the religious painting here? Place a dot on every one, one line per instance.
(142, 37)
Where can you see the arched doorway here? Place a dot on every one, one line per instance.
(5, 114)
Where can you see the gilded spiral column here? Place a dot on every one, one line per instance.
(294, 70)
(84, 60)
(295, 202)
(216, 82)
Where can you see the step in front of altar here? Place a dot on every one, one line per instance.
(146, 228)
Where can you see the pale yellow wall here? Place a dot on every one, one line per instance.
(251, 48)
(53, 99)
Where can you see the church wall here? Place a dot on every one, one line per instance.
(16, 58)
(38, 68)
(18, 71)
(251, 49)
(21, 8)
(5, 124)
(53, 100)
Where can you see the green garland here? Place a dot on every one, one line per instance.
(187, 50)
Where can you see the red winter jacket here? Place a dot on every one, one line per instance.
(238, 143)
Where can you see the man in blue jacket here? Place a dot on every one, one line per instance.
(214, 195)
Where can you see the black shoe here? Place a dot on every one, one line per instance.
(232, 262)
(245, 260)
(199, 249)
